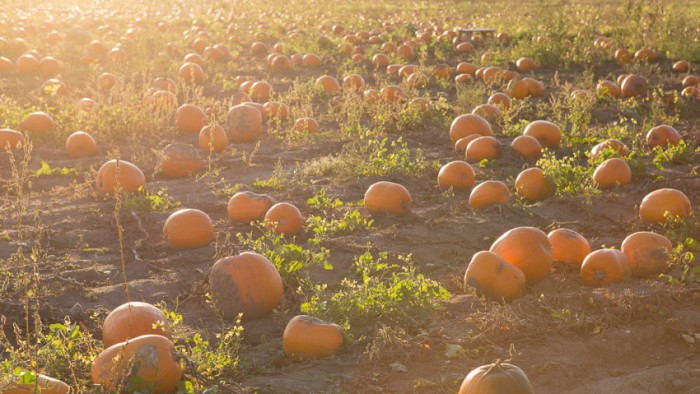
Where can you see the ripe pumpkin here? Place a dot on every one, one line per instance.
(622, 56)
(546, 132)
(528, 147)
(276, 110)
(691, 80)
(132, 320)
(618, 146)
(458, 175)
(311, 60)
(162, 99)
(462, 79)
(404, 52)
(518, 89)
(387, 197)
(191, 73)
(180, 161)
(466, 68)
(329, 84)
(130, 179)
(608, 88)
(535, 87)
(467, 124)
(310, 337)
(145, 363)
(13, 139)
(462, 143)
(612, 172)
(284, 218)
(81, 144)
(244, 207)
(483, 148)
(496, 378)
(190, 118)
(247, 283)
(261, 91)
(500, 100)
(494, 277)
(309, 125)
(525, 64)
(647, 253)
(53, 87)
(188, 229)
(568, 246)
(380, 60)
(27, 65)
(37, 123)
(690, 91)
(532, 184)
(464, 48)
(681, 66)
(354, 82)
(527, 248)
(605, 266)
(655, 205)
(213, 138)
(43, 384)
(243, 124)
(489, 193)
(663, 136)
(488, 111)
(106, 81)
(393, 93)
(634, 85)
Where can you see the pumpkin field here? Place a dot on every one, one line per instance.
(358, 196)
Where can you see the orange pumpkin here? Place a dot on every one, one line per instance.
(494, 277)
(690, 80)
(53, 87)
(106, 81)
(634, 85)
(647, 252)
(261, 91)
(525, 64)
(535, 87)
(188, 229)
(213, 138)
(483, 148)
(130, 178)
(247, 283)
(546, 132)
(681, 66)
(284, 218)
(37, 123)
(243, 124)
(467, 124)
(311, 60)
(190, 118)
(605, 266)
(328, 84)
(657, 204)
(180, 161)
(43, 384)
(528, 147)
(618, 146)
(145, 363)
(496, 378)
(246, 206)
(27, 65)
(404, 52)
(608, 88)
(612, 172)
(309, 125)
(622, 56)
(568, 246)
(532, 184)
(13, 139)
(393, 93)
(500, 100)
(663, 136)
(488, 111)
(132, 320)
(387, 197)
(191, 73)
(489, 193)
(81, 144)
(458, 175)
(276, 110)
(464, 48)
(518, 89)
(309, 337)
(527, 248)
(690, 91)
(462, 143)
(380, 60)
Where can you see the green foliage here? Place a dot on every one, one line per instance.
(47, 170)
(567, 176)
(144, 200)
(676, 154)
(350, 222)
(322, 202)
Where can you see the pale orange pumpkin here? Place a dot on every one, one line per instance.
(180, 161)
(309, 337)
(546, 132)
(532, 184)
(568, 246)
(663, 136)
(467, 124)
(458, 175)
(527, 146)
(244, 207)
(132, 320)
(190, 118)
(662, 202)
(12, 138)
(648, 253)
(188, 229)
(81, 144)
(38, 123)
(527, 248)
(43, 384)
(129, 180)
(494, 277)
(612, 172)
(213, 138)
(387, 197)
(483, 148)
(284, 218)
(243, 124)
(489, 193)
(605, 266)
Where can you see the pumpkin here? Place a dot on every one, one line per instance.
(483, 148)
(528, 147)
(106, 81)
(647, 252)
(663, 136)
(518, 89)
(13, 139)
(690, 91)
(162, 99)
(404, 52)
(645, 55)
(213, 138)
(309, 125)
(243, 124)
(464, 48)
(612, 172)
(546, 132)
(463, 79)
(488, 111)
(132, 320)
(191, 73)
(281, 63)
(311, 60)
(535, 87)
(467, 124)
(130, 178)
(525, 64)
(164, 84)
(492, 75)
(500, 100)
(622, 56)
(496, 378)
(462, 143)
(328, 84)
(583, 97)
(466, 68)
(37, 123)
(310, 337)
(86, 104)
(532, 184)
(605, 266)
(6, 65)
(620, 79)
(608, 88)
(690, 80)
(354, 82)
(258, 49)
(261, 91)
(81, 144)
(387, 197)
(284, 218)
(276, 110)
(657, 204)
(188, 229)
(393, 93)
(247, 283)
(568, 246)
(527, 248)
(489, 193)
(180, 161)
(380, 60)
(43, 384)
(190, 118)
(27, 65)
(244, 207)
(458, 175)
(494, 277)
(634, 85)
(143, 364)
(681, 66)
(617, 146)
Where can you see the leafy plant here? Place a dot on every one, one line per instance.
(47, 170)
(144, 200)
